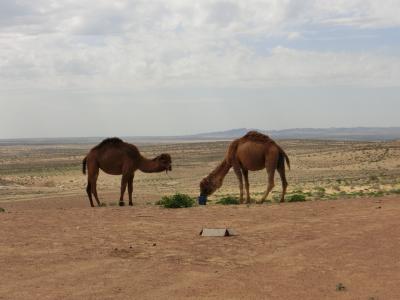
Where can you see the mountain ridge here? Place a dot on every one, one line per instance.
(333, 133)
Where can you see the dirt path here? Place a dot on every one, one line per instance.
(289, 251)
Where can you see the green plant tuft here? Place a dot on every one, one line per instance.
(395, 191)
(176, 201)
(378, 194)
(296, 198)
(319, 192)
(276, 198)
(2, 210)
(229, 200)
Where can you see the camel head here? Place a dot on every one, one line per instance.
(207, 186)
(165, 162)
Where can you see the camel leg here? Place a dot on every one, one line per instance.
(271, 182)
(124, 182)
(282, 173)
(89, 193)
(93, 171)
(130, 189)
(94, 187)
(239, 176)
(247, 185)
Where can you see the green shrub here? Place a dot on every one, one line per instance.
(356, 194)
(378, 194)
(276, 198)
(296, 198)
(298, 191)
(229, 200)
(319, 192)
(176, 201)
(395, 191)
(2, 210)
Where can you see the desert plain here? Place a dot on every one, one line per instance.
(341, 243)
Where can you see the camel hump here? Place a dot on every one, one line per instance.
(256, 137)
(253, 136)
(110, 142)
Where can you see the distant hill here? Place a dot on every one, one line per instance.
(228, 134)
(354, 134)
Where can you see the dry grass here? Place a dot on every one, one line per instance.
(320, 170)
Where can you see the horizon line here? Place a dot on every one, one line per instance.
(197, 134)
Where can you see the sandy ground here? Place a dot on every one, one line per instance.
(58, 248)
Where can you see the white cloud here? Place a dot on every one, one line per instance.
(135, 44)
(294, 35)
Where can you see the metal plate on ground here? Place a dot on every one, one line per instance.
(215, 232)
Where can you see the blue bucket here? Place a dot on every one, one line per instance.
(202, 200)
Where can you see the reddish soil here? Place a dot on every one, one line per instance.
(62, 249)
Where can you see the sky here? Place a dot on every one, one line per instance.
(73, 68)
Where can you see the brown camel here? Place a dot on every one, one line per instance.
(252, 152)
(115, 157)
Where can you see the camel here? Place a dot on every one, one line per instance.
(252, 152)
(115, 157)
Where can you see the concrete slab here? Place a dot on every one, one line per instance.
(215, 232)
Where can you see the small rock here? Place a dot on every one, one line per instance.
(154, 244)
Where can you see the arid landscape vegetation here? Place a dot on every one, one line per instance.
(339, 244)
(320, 170)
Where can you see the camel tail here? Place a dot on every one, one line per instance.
(282, 158)
(84, 165)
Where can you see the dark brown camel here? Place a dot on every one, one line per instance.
(116, 157)
(252, 152)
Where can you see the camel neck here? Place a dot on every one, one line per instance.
(220, 172)
(149, 166)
